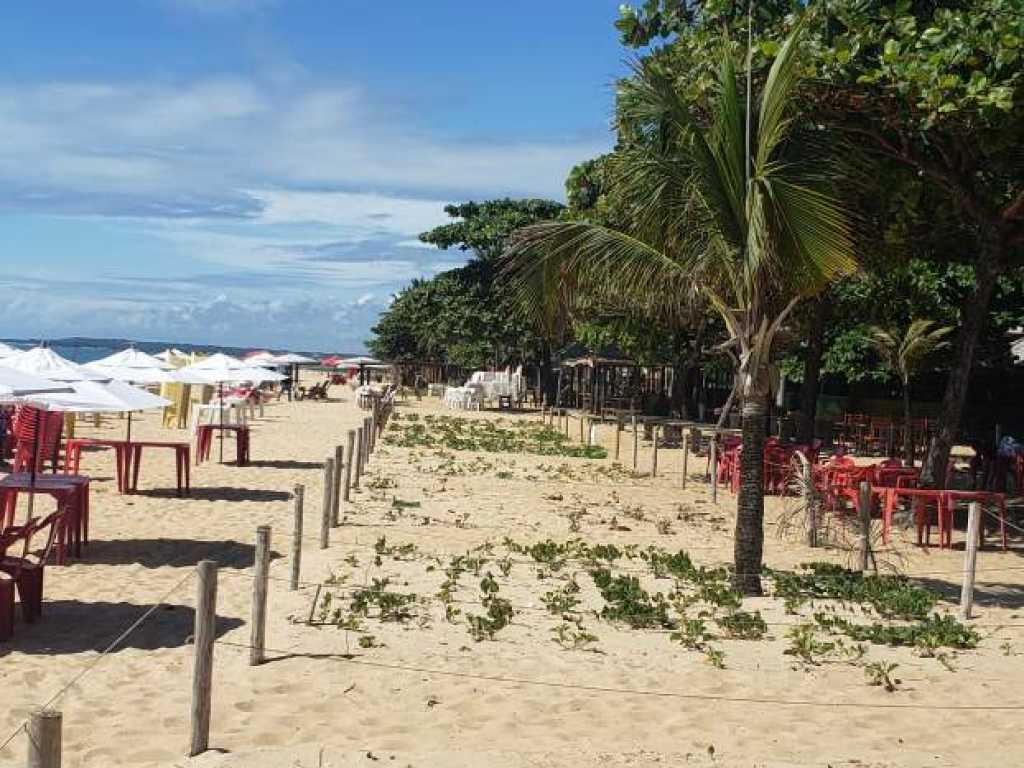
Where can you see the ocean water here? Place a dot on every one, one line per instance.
(84, 354)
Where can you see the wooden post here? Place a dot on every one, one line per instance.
(864, 545)
(636, 443)
(582, 419)
(350, 447)
(300, 492)
(325, 518)
(970, 560)
(367, 428)
(339, 457)
(44, 738)
(714, 467)
(358, 460)
(618, 435)
(202, 672)
(373, 428)
(686, 453)
(261, 578)
(810, 506)
(654, 453)
(565, 414)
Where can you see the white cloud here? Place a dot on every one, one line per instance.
(159, 144)
(301, 199)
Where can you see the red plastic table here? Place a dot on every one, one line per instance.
(945, 501)
(122, 457)
(70, 491)
(205, 441)
(182, 457)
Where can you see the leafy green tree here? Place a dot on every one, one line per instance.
(904, 354)
(460, 317)
(725, 198)
(933, 88)
(484, 227)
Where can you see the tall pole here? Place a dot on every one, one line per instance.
(750, 61)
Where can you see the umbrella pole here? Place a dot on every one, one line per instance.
(128, 455)
(221, 390)
(35, 460)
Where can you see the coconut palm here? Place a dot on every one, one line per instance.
(904, 355)
(722, 196)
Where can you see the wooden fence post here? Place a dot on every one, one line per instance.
(654, 453)
(970, 560)
(300, 492)
(325, 518)
(582, 419)
(714, 467)
(358, 460)
(204, 634)
(864, 544)
(686, 453)
(350, 446)
(44, 738)
(636, 443)
(810, 506)
(336, 486)
(618, 435)
(261, 578)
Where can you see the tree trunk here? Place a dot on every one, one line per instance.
(972, 321)
(811, 386)
(908, 428)
(547, 378)
(749, 539)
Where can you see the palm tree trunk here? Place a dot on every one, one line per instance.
(908, 428)
(973, 318)
(749, 541)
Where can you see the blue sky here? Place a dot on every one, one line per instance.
(255, 172)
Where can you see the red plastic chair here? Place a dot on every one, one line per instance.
(27, 571)
(27, 421)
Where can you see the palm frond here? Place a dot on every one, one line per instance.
(596, 260)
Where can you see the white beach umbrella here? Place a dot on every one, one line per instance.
(88, 397)
(135, 367)
(6, 350)
(99, 397)
(262, 357)
(224, 369)
(358, 360)
(15, 385)
(293, 358)
(44, 362)
(221, 369)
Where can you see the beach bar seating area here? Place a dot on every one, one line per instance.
(47, 401)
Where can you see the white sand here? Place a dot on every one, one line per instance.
(437, 698)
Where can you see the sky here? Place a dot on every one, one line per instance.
(255, 172)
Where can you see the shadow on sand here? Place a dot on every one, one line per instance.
(287, 464)
(157, 553)
(220, 493)
(76, 626)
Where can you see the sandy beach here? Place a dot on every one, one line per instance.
(422, 692)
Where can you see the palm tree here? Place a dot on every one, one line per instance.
(903, 356)
(722, 198)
